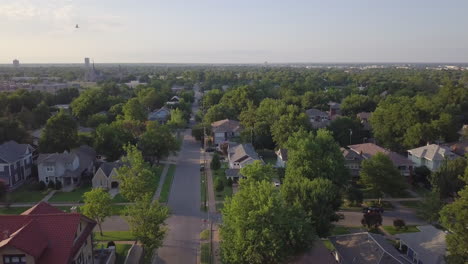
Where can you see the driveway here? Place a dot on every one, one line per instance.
(186, 221)
(354, 218)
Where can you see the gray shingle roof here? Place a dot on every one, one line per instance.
(107, 167)
(225, 125)
(429, 243)
(11, 151)
(432, 152)
(315, 112)
(241, 151)
(368, 150)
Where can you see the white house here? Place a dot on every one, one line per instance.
(15, 163)
(238, 157)
(224, 130)
(317, 118)
(281, 158)
(432, 156)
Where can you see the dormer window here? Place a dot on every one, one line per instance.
(14, 259)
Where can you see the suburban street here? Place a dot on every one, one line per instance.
(187, 221)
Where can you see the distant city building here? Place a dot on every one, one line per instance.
(86, 62)
(16, 63)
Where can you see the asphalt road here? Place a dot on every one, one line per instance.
(186, 221)
(353, 219)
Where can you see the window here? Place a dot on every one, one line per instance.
(1, 168)
(47, 179)
(50, 168)
(16, 259)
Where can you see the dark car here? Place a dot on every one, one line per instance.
(373, 209)
(202, 167)
(209, 150)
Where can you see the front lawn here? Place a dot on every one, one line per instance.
(26, 194)
(114, 236)
(205, 253)
(157, 170)
(411, 204)
(75, 196)
(227, 190)
(118, 209)
(339, 230)
(121, 251)
(166, 188)
(12, 210)
(393, 231)
(119, 199)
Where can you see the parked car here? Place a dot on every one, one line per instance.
(209, 150)
(202, 167)
(373, 209)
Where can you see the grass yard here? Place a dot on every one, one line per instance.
(119, 199)
(339, 230)
(205, 253)
(25, 194)
(114, 236)
(121, 251)
(328, 244)
(157, 170)
(118, 209)
(268, 156)
(393, 231)
(205, 234)
(12, 210)
(166, 188)
(411, 204)
(227, 191)
(203, 197)
(74, 196)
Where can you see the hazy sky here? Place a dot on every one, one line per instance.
(222, 31)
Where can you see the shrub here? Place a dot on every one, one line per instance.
(58, 185)
(51, 185)
(229, 182)
(353, 196)
(215, 162)
(219, 184)
(42, 185)
(399, 224)
(110, 244)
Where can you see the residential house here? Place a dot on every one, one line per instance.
(177, 89)
(240, 156)
(67, 167)
(174, 100)
(459, 148)
(106, 176)
(15, 163)
(432, 156)
(44, 234)
(224, 130)
(281, 158)
(352, 161)
(334, 110)
(367, 150)
(160, 115)
(317, 118)
(365, 248)
(463, 132)
(427, 246)
(364, 117)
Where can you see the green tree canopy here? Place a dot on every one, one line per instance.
(98, 205)
(341, 127)
(355, 103)
(59, 134)
(447, 179)
(158, 142)
(134, 110)
(379, 176)
(257, 171)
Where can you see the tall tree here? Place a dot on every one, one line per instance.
(146, 219)
(379, 176)
(134, 110)
(177, 120)
(97, 205)
(110, 139)
(316, 156)
(135, 175)
(293, 121)
(346, 131)
(59, 134)
(257, 171)
(158, 142)
(258, 227)
(356, 103)
(447, 179)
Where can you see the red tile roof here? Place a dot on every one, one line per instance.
(49, 237)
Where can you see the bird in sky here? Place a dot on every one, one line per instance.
(77, 26)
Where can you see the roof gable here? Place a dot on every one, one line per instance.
(12, 151)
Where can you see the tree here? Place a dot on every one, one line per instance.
(319, 199)
(110, 139)
(379, 176)
(454, 217)
(177, 120)
(219, 184)
(89, 102)
(158, 142)
(59, 134)
(97, 119)
(135, 175)
(11, 129)
(215, 162)
(346, 131)
(430, 207)
(219, 112)
(356, 103)
(134, 110)
(372, 219)
(41, 113)
(258, 227)
(146, 219)
(316, 156)
(257, 171)
(447, 179)
(199, 129)
(293, 121)
(97, 205)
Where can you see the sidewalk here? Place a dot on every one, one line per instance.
(161, 182)
(48, 196)
(211, 194)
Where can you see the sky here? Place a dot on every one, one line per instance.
(239, 31)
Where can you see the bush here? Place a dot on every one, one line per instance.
(215, 162)
(35, 186)
(42, 185)
(110, 244)
(353, 196)
(229, 182)
(219, 184)
(51, 185)
(58, 185)
(399, 224)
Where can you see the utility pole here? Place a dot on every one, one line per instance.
(350, 134)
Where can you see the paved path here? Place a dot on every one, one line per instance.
(161, 182)
(186, 222)
(48, 196)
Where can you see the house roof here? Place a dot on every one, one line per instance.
(12, 151)
(49, 238)
(368, 150)
(459, 148)
(42, 208)
(429, 243)
(334, 105)
(64, 157)
(432, 152)
(85, 155)
(282, 153)
(242, 152)
(366, 248)
(315, 112)
(364, 115)
(233, 173)
(225, 125)
(107, 167)
(161, 113)
(350, 155)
